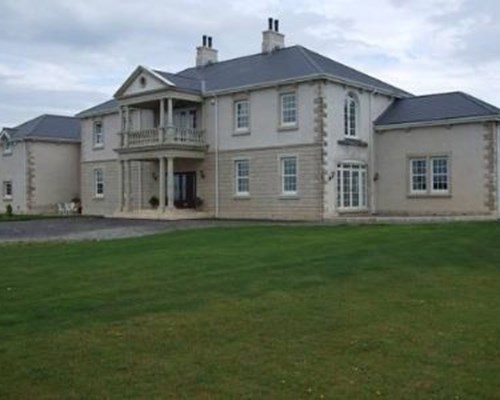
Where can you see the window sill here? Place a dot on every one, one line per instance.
(245, 132)
(285, 128)
(352, 142)
(345, 211)
(98, 147)
(242, 197)
(7, 153)
(7, 198)
(99, 197)
(429, 196)
(289, 197)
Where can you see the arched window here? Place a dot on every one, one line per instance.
(351, 116)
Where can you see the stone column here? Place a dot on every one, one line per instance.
(161, 178)
(170, 113)
(128, 185)
(170, 183)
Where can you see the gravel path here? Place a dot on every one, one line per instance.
(87, 228)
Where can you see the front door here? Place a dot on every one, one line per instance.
(185, 189)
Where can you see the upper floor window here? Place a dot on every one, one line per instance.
(98, 183)
(98, 134)
(351, 116)
(7, 147)
(429, 175)
(242, 115)
(242, 177)
(7, 190)
(289, 175)
(288, 107)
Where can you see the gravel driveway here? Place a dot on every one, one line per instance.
(87, 228)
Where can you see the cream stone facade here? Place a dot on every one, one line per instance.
(286, 134)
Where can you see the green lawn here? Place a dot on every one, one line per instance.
(393, 312)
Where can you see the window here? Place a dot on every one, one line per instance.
(98, 134)
(429, 175)
(98, 183)
(440, 174)
(419, 175)
(242, 177)
(241, 115)
(351, 116)
(7, 147)
(7, 190)
(289, 175)
(288, 109)
(351, 186)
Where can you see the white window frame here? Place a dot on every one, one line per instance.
(414, 174)
(284, 175)
(7, 194)
(362, 193)
(350, 131)
(435, 174)
(430, 175)
(241, 178)
(98, 136)
(99, 186)
(295, 109)
(239, 107)
(7, 147)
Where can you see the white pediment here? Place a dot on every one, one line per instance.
(143, 80)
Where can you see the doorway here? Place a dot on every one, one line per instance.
(185, 189)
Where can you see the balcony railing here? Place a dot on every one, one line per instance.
(163, 136)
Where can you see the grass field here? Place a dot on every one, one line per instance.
(393, 312)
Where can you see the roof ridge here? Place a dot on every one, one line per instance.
(234, 59)
(308, 58)
(481, 103)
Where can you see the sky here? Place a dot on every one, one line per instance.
(63, 56)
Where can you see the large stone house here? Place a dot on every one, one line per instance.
(40, 164)
(285, 134)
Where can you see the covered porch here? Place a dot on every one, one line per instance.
(161, 185)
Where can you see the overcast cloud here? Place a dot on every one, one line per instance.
(62, 56)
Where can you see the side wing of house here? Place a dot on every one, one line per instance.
(13, 177)
(441, 170)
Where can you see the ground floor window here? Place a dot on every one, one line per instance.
(98, 183)
(429, 175)
(7, 190)
(242, 177)
(351, 186)
(289, 175)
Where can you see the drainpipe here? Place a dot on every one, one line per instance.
(373, 202)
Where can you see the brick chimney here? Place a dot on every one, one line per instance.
(205, 54)
(272, 39)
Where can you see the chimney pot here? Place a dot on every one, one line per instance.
(276, 25)
(205, 54)
(210, 42)
(270, 24)
(204, 40)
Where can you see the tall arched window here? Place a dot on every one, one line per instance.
(351, 116)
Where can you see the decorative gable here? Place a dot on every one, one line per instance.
(143, 80)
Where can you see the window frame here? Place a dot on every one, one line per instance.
(7, 147)
(351, 100)
(99, 194)
(284, 175)
(283, 123)
(98, 144)
(430, 176)
(237, 128)
(413, 174)
(238, 178)
(362, 192)
(5, 195)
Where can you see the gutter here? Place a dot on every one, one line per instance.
(441, 122)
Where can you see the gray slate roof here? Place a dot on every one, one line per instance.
(55, 127)
(109, 106)
(436, 107)
(293, 62)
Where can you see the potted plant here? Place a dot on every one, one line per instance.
(198, 202)
(154, 202)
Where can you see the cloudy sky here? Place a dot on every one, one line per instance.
(62, 56)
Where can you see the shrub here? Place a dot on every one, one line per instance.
(154, 202)
(8, 210)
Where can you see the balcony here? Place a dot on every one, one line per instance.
(163, 137)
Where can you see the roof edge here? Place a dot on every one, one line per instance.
(440, 122)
